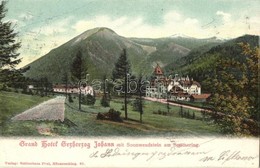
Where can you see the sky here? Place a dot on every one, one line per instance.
(46, 24)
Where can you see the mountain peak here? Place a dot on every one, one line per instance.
(97, 30)
(100, 29)
(180, 35)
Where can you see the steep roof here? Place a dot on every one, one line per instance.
(158, 70)
(201, 96)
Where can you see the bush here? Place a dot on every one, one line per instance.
(6, 88)
(165, 113)
(110, 115)
(159, 112)
(100, 116)
(88, 100)
(30, 92)
(137, 105)
(123, 107)
(70, 99)
(188, 114)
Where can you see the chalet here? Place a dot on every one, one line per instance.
(178, 88)
(158, 83)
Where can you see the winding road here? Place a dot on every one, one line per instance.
(52, 109)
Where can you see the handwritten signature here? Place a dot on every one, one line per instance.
(227, 156)
(110, 152)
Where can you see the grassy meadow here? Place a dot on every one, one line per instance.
(11, 104)
(152, 125)
(84, 123)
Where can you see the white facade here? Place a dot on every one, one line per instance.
(188, 86)
(185, 88)
(87, 90)
(159, 92)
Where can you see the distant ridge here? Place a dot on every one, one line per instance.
(101, 48)
(180, 35)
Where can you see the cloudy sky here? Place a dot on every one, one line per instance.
(46, 24)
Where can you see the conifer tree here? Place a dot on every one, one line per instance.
(78, 71)
(140, 94)
(122, 68)
(105, 100)
(65, 80)
(8, 47)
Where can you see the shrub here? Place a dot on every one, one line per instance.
(110, 115)
(88, 100)
(30, 92)
(188, 114)
(159, 112)
(6, 88)
(136, 104)
(100, 116)
(70, 99)
(193, 115)
(122, 108)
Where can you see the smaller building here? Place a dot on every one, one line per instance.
(30, 87)
(73, 89)
(87, 90)
(63, 89)
(200, 98)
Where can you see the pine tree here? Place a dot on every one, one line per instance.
(105, 100)
(8, 48)
(168, 107)
(65, 80)
(140, 102)
(122, 68)
(78, 71)
(181, 111)
(70, 98)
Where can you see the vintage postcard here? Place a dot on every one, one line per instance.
(117, 83)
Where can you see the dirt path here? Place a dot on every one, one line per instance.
(49, 110)
(164, 101)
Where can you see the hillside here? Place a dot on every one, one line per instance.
(200, 63)
(101, 48)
